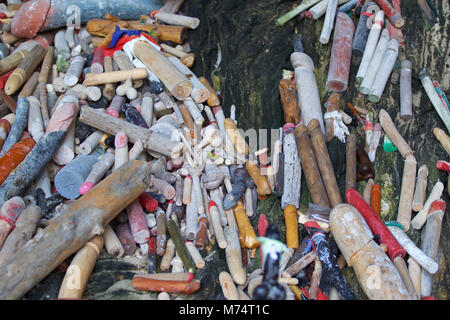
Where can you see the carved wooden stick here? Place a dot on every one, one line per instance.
(136, 150)
(83, 92)
(420, 191)
(289, 96)
(329, 21)
(14, 156)
(213, 99)
(217, 225)
(44, 104)
(186, 287)
(413, 251)
(66, 153)
(168, 255)
(351, 167)
(421, 217)
(229, 289)
(341, 53)
(24, 230)
(362, 30)
(290, 219)
(406, 106)
(437, 102)
(29, 86)
(355, 240)
(46, 65)
(375, 199)
(199, 92)
(415, 274)
(310, 167)
(402, 269)
(299, 265)
(97, 61)
(115, 105)
(124, 63)
(233, 255)
(393, 135)
(443, 138)
(5, 126)
(187, 187)
(121, 150)
(391, 13)
(74, 71)
(126, 238)
(93, 79)
(376, 136)
(319, 9)
(138, 224)
(308, 93)
(315, 279)
(80, 269)
(407, 192)
(177, 20)
(151, 140)
(324, 163)
(90, 142)
(108, 90)
(430, 241)
(294, 12)
(194, 112)
(248, 202)
(292, 170)
(99, 169)
(9, 213)
(371, 44)
(383, 73)
(24, 69)
(112, 243)
(147, 108)
(375, 62)
(367, 190)
(69, 35)
(173, 80)
(35, 122)
(187, 58)
(180, 246)
(14, 59)
(18, 126)
(262, 185)
(173, 276)
(247, 235)
(235, 137)
(191, 216)
(195, 254)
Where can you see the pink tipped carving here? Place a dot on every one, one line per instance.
(85, 187)
(121, 140)
(112, 112)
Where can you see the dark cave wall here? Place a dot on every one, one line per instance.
(255, 51)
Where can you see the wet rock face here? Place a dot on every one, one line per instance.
(254, 51)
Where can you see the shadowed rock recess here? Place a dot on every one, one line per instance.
(254, 51)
